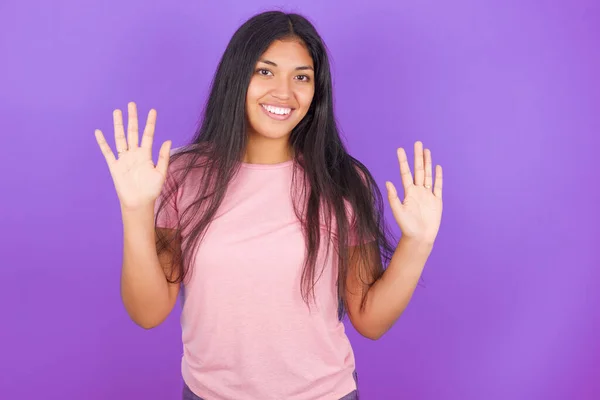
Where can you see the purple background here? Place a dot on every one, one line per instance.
(505, 93)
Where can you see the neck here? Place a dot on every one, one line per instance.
(261, 150)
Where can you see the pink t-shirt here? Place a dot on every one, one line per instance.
(247, 333)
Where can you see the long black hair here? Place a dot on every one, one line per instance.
(333, 180)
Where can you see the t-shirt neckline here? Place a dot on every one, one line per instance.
(268, 166)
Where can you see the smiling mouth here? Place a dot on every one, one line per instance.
(277, 113)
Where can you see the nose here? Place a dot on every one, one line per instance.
(282, 89)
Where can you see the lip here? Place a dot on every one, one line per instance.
(277, 117)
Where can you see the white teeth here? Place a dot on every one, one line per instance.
(277, 110)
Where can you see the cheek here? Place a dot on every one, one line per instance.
(305, 98)
(255, 91)
(251, 95)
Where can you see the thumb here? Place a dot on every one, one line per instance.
(164, 155)
(395, 201)
(392, 192)
(396, 205)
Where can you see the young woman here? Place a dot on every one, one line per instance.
(271, 230)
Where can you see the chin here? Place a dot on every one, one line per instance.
(273, 133)
(273, 129)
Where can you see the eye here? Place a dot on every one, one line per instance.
(263, 72)
(303, 78)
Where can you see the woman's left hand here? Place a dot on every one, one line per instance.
(420, 214)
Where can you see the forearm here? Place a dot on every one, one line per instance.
(144, 288)
(388, 297)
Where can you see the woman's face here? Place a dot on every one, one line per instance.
(281, 89)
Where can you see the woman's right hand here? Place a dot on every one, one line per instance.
(137, 180)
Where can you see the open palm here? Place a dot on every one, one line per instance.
(137, 180)
(419, 214)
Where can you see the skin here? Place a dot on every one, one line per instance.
(418, 215)
(147, 296)
(283, 77)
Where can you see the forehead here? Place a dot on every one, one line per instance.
(291, 52)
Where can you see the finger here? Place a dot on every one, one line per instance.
(393, 195)
(163, 157)
(148, 136)
(419, 168)
(105, 148)
(132, 125)
(404, 169)
(428, 169)
(395, 201)
(120, 141)
(439, 179)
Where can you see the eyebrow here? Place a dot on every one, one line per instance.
(301, 68)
